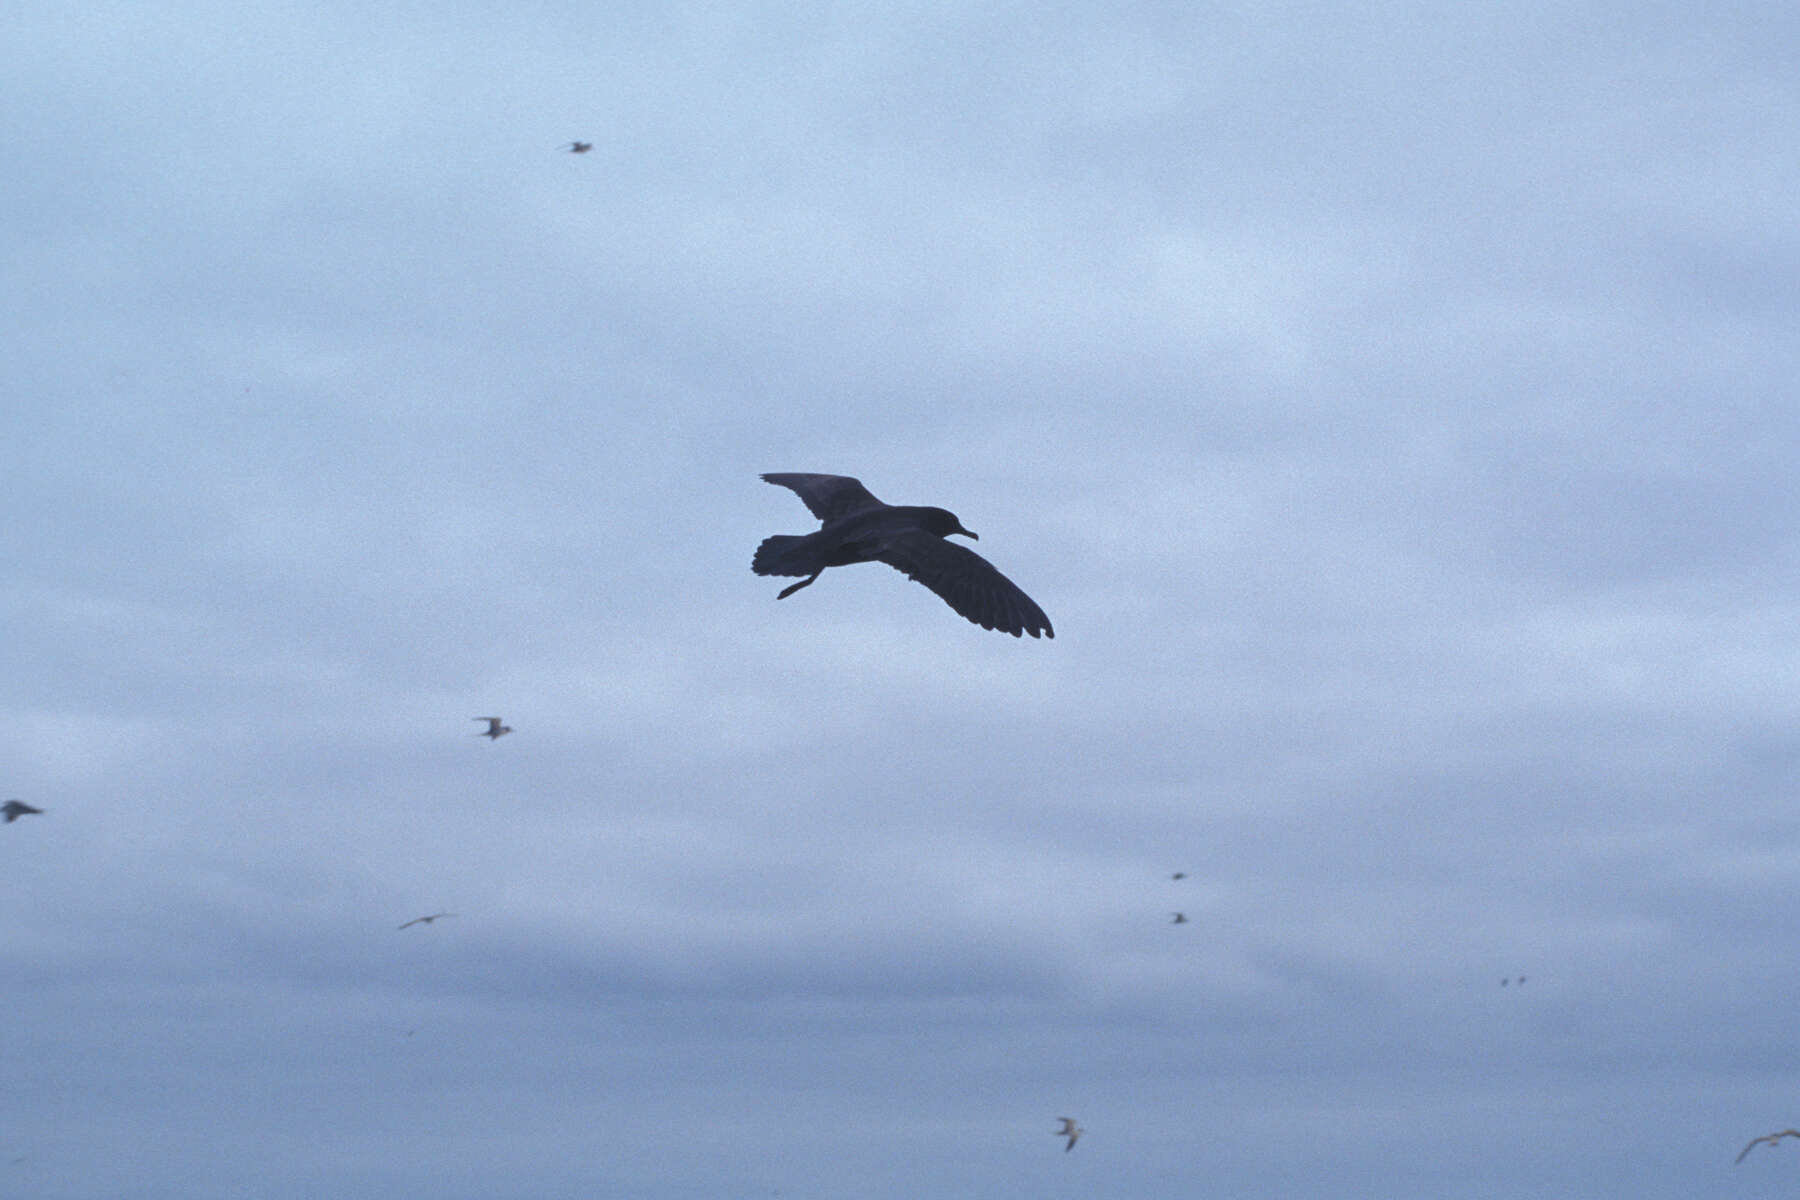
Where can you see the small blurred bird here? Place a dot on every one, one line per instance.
(425, 920)
(1069, 1130)
(1772, 1138)
(576, 147)
(494, 730)
(856, 527)
(1179, 875)
(1180, 919)
(14, 809)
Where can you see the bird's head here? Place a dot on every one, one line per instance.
(944, 523)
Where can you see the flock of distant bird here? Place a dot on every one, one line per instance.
(856, 527)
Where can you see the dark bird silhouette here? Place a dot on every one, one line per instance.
(856, 527)
(1772, 1138)
(1069, 1130)
(14, 809)
(495, 729)
(1180, 919)
(576, 147)
(425, 920)
(1179, 875)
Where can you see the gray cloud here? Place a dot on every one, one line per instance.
(1389, 408)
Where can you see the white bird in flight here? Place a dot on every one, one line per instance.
(1069, 1130)
(494, 730)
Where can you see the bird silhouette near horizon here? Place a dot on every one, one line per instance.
(14, 809)
(495, 729)
(1772, 1138)
(1069, 1130)
(576, 147)
(856, 527)
(426, 920)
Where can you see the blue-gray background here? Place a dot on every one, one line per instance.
(1392, 405)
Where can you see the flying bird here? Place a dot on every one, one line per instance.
(1772, 1138)
(1069, 1130)
(1180, 919)
(494, 730)
(576, 147)
(14, 809)
(856, 527)
(1179, 875)
(425, 920)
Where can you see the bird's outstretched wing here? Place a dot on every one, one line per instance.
(427, 920)
(828, 497)
(1773, 1139)
(968, 583)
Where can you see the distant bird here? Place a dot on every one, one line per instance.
(1179, 875)
(14, 809)
(856, 527)
(494, 730)
(425, 920)
(1069, 1130)
(576, 147)
(1180, 919)
(1772, 1138)
(1521, 981)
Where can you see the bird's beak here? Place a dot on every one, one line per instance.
(970, 534)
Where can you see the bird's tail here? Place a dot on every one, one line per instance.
(784, 554)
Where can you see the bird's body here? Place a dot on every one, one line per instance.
(577, 147)
(1179, 875)
(494, 730)
(1069, 1130)
(14, 809)
(1180, 919)
(856, 527)
(426, 920)
(1771, 1138)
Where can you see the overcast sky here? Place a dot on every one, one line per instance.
(1391, 405)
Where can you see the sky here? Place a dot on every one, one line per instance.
(1391, 405)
